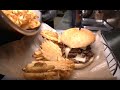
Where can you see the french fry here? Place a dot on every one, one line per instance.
(42, 76)
(35, 56)
(39, 64)
(38, 69)
(39, 58)
(38, 53)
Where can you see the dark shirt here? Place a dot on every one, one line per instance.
(48, 15)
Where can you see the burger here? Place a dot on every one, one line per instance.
(75, 45)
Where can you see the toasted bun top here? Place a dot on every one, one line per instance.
(75, 38)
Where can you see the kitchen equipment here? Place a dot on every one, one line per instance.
(112, 17)
(87, 13)
(10, 31)
(77, 16)
(95, 25)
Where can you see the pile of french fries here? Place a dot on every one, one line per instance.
(40, 71)
(25, 19)
(43, 69)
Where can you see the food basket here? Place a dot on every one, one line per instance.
(29, 45)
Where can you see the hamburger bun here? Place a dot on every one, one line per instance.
(75, 38)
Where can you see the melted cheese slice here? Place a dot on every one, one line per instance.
(80, 58)
(67, 50)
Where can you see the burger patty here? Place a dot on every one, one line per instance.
(85, 53)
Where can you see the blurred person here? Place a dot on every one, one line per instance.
(48, 17)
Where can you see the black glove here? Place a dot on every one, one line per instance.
(48, 15)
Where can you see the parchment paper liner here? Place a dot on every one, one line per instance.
(15, 55)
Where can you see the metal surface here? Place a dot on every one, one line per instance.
(112, 17)
(87, 13)
(93, 24)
